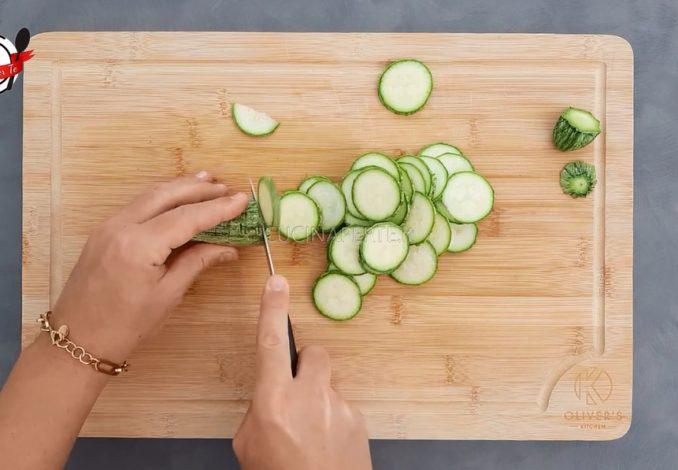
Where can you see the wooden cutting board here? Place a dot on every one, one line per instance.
(526, 336)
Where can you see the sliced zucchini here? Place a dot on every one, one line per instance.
(350, 219)
(366, 282)
(252, 122)
(384, 247)
(468, 197)
(438, 175)
(337, 296)
(378, 160)
(439, 148)
(441, 234)
(454, 163)
(405, 86)
(415, 177)
(376, 194)
(405, 184)
(425, 173)
(463, 237)
(576, 128)
(299, 216)
(310, 181)
(268, 200)
(401, 212)
(442, 210)
(419, 221)
(347, 189)
(578, 178)
(331, 203)
(419, 266)
(344, 250)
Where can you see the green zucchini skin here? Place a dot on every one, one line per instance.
(246, 229)
(388, 106)
(578, 178)
(567, 137)
(319, 308)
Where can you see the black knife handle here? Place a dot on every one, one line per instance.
(294, 358)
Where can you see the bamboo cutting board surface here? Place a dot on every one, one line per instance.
(526, 336)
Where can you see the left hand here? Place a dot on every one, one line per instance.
(135, 268)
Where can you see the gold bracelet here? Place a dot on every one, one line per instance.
(60, 339)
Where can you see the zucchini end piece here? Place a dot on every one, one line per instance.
(578, 178)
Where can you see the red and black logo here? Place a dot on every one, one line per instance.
(12, 58)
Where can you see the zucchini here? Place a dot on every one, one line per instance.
(383, 247)
(454, 163)
(576, 128)
(425, 173)
(419, 266)
(405, 86)
(441, 234)
(463, 237)
(438, 175)
(243, 230)
(378, 160)
(366, 282)
(434, 150)
(337, 296)
(331, 203)
(375, 194)
(401, 212)
(405, 184)
(268, 201)
(310, 181)
(299, 216)
(468, 197)
(252, 122)
(347, 189)
(350, 219)
(415, 177)
(344, 250)
(440, 209)
(578, 178)
(419, 221)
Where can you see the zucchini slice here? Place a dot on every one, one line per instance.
(441, 234)
(463, 237)
(350, 219)
(376, 194)
(384, 247)
(299, 216)
(268, 201)
(576, 128)
(347, 189)
(366, 282)
(378, 160)
(405, 184)
(438, 175)
(578, 178)
(310, 181)
(442, 210)
(434, 150)
(331, 203)
(415, 177)
(468, 197)
(419, 266)
(344, 250)
(454, 163)
(419, 221)
(405, 86)
(337, 296)
(425, 173)
(253, 122)
(401, 212)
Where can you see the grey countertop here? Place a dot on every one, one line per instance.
(651, 26)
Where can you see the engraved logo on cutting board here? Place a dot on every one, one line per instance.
(593, 386)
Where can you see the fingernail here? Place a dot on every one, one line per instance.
(201, 175)
(221, 186)
(277, 283)
(228, 255)
(238, 196)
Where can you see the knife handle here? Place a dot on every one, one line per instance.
(294, 358)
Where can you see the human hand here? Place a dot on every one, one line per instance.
(300, 422)
(135, 268)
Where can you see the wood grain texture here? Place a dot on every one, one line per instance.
(526, 336)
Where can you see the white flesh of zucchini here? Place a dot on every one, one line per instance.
(299, 216)
(463, 237)
(253, 122)
(419, 266)
(268, 201)
(376, 194)
(366, 282)
(337, 296)
(419, 221)
(405, 86)
(438, 175)
(405, 184)
(378, 160)
(350, 219)
(384, 247)
(468, 197)
(347, 189)
(454, 163)
(344, 250)
(415, 177)
(441, 234)
(425, 173)
(434, 150)
(331, 203)
(310, 181)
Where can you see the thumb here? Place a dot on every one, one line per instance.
(193, 260)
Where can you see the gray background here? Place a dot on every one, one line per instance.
(651, 26)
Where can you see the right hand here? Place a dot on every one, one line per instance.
(296, 422)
